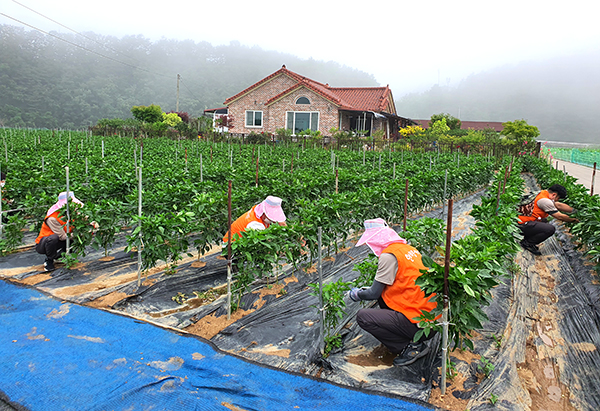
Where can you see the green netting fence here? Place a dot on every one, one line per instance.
(576, 155)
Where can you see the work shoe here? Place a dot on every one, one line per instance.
(49, 265)
(411, 353)
(532, 248)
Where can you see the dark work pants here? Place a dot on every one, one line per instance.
(51, 246)
(390, 327)
(534, 232)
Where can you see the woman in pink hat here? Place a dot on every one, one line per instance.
(52, 240)
(400, 299)
(258, 217)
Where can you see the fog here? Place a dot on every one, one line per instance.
(409, 45)
(560, 96)
(475, 60)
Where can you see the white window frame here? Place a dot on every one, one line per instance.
(262, 118)
(309, 120)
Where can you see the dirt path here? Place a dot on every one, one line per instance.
(547, 358)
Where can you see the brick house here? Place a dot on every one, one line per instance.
(288, 100)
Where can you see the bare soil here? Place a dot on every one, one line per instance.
(210, 325)
(449, 401)
(379, 356)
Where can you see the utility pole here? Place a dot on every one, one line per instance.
(177, 105)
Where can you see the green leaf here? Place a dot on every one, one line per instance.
(469, 290)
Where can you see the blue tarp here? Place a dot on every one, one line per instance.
(64, 356)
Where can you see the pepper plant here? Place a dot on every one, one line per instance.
(587, 230)
(107, 215)
(425, 234)
(367, 269)
(334, 306)
(476, 263)
(259, 253)
(81, 232)
(12, 233)
(164, 237)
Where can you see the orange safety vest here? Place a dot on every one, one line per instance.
(47, 231)
(403, 295)
(239, 225)
(537, 213)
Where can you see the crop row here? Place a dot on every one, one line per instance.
(185, 185)
(587, 230)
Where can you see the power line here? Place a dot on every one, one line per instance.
(93, 40)
(74, 31)
(196, 97)
(85, 48)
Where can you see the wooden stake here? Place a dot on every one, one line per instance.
(229, 251)
(505, 177)
(256, 171)
(593, 177)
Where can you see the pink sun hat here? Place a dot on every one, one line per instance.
(378, 235)
(271, 206)
(62, 200)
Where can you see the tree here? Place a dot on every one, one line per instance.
(520, 133)
(412, 133)
(452, 122)
(171, 119)
(439, 127)
(147, 114)
(224, 122)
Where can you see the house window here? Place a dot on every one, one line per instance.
(298, 121)
(253, 118)
(303, 100)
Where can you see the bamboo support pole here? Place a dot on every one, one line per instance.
(321, 315)
(405, 203)
(446, 309)
(68, 214)
(336, 180)
(139, 251)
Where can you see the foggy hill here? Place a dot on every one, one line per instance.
(48, 83)
(560, 96)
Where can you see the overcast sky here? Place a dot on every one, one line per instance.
(410, 45)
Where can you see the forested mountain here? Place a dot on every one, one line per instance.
(560, 96)
(47, 82)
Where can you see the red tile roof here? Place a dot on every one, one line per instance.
(347, 98)
(480, 125)
(423, 123)
(365, 98)
(214, 110)
(319, 89)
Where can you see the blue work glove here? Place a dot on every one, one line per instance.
(353, 294)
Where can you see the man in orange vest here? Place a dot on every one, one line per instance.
(535, 228)
(258, 217)
(400, 300)
(52, 240)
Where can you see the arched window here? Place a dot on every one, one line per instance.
(303, 100)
